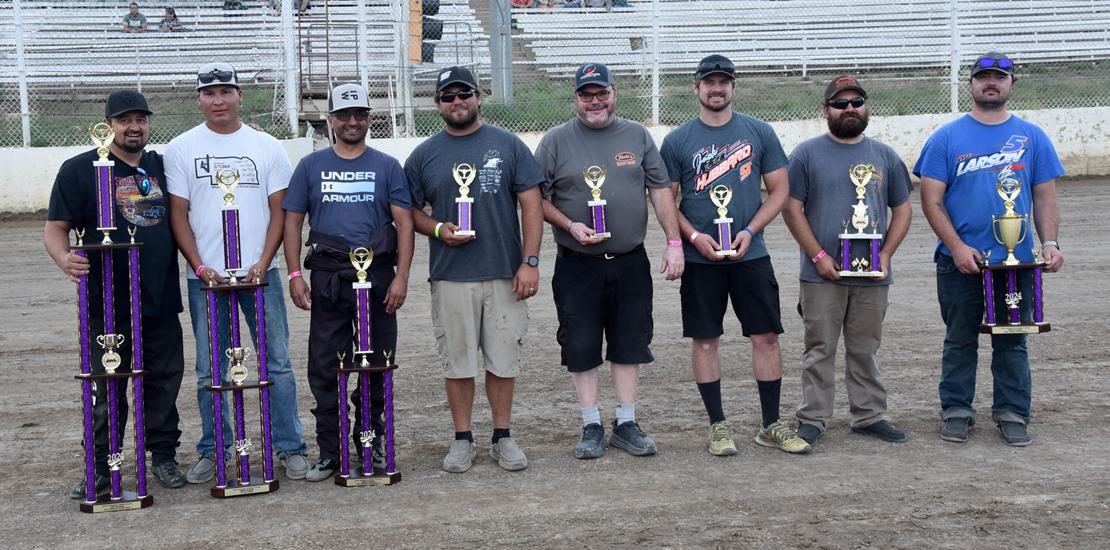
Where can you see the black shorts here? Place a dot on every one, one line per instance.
(706, 289)
(595, 295)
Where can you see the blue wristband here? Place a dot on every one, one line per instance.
(749, 230)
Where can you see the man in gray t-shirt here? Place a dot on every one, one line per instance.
(480, 280)
(823, 198)
(602, 284)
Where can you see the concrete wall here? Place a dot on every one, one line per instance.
(1080, 136)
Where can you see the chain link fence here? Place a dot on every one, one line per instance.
(59, 59)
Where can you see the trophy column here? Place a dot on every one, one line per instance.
(464, 175)
(868, 263)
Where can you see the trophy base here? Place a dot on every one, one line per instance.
(871, 274)
(234, 489)
(467, 233)
(1024, 328)
(723, 253)
(604, 235)
(130, 501)
(356, 479)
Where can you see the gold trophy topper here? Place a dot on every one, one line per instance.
(861, 175)
(111, 360)
(361, 258)
(222, 178)
(464, 176)
(721, 195)
(102, 135)
(1009, 188)
(236, 371)
(595, 178)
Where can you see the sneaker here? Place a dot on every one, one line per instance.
(296, 465)
(779, 435)
(593, 443)
(721, 442)
(103, 486)
(323, 469)
(508, 455)
(460, 457)
(202, 471)
(956, 429)
(809, 432)
(168, 474)
(377, 456)
(1014, 434)
(883, 430)
(630, 437)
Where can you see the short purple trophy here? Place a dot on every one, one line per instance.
(595, 178)
(114, 380)
(1010, 229)
(853, 262)
(721, 195)
(464, 176)
(364, 474)
(237, 372)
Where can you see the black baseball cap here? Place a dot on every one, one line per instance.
(592, 73)
(841, 83)
(125, 101)
(714, 64)
(455, 75)
(993, 61)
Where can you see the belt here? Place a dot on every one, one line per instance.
(564, 251)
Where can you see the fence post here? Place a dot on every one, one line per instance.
(655, 84)
(954, 63)
(405, 74)
(292, 87)
(363, 53)
(21, 68)
(501, 50)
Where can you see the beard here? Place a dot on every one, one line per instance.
(848, 125)
(715, 108)
(461, 123)
(596, 119)
(343, 136)
(990, 104)
(130, 146)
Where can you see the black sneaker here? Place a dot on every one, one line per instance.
(883, 430)
(956, 429)
(809, 432)
(103, 487)
(592, 444)
(1014, 434)
(630, 437)
(168, 474)
(323, 469)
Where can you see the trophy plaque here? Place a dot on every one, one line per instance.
(721, 195)
(464, 175)
(595, 178)
(109, 374)
(1010, 230)
(852, 263)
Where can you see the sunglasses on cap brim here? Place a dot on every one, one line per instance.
(216, 75)
(992, 63)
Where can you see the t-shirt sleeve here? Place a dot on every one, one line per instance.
(1048, 165)
(281, 168)
(65, 197)
(774, 157)
(176, 182)
(545, 156)
(655, 172)
(412, 175)
(296, 197)
(796, 171)
(670, 160)
(932, 163)
(397, 184)
(898, 182)
(527, 173)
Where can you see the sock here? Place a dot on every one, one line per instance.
(711, 397)
(626, 412)
(591, 415)
(769, 400)
(498, 433)
(465, 436)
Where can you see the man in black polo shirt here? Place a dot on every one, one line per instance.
(142, 203)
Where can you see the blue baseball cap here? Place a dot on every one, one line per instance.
(592, 73)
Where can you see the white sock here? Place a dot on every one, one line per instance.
(626, 412)
(591, 415)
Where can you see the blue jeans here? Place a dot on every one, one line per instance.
(961, 307)
(285, 423)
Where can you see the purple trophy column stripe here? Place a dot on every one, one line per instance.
(105, 204)
(137, 367)
(1038, 297)
(86, 384)
(243, 457)
(231, 240)
(264, 392)
(724, 235)
(988, 293)
(344, 426)
(846, 254)
(217, 397)
(236, 397)
(875, 255)
(389, 464)
(1011, 287)
(364, 393)
(362, 323)
(113, 406)
(233, 309)
(599, 218)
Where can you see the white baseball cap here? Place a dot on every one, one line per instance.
(347, 96)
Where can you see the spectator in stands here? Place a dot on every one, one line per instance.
(170, 22)
(232, 5)
(134, 21)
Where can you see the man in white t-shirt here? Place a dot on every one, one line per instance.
(192, 160)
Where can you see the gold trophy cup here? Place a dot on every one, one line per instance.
(1010, 228)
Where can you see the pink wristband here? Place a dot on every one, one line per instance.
(818, 257)
(294, 275)
(694, 236)
(200, 271)
(674, 244)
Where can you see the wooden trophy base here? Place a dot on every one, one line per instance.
(1023, 328)
(234, 489)
(356, 479)
(129, 501)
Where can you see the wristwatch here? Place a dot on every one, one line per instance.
(1051, 243)
(532, 261)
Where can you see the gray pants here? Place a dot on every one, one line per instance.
(857, 311)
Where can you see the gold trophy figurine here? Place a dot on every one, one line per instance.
(110, 360)
(237, 371)
(1010, 228)
(102, 136)
(861, 175)
(227, 180)
(361, 258)
(464, 175)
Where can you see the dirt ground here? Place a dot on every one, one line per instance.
(853, 491)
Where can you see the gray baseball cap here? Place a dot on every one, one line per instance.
(347, 96)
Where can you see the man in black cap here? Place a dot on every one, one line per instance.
(719, 153)
(480, 281)
(602, 282)
(141, 202)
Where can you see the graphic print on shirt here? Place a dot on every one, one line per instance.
(140, 210)
(206, 168)
(1010, 154)
(489, 175)
(347, 186)
(713, 162)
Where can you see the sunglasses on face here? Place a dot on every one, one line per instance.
(990, 63)
(214, 75)
(587, 97)
(144, 184)
(842, 104)
(360, 116)
(449, 97)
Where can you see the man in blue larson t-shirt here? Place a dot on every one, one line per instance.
(960, 168)
(355, 196)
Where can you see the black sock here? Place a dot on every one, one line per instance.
(711, 397)
(769, 400)
(464, 436)
(498, 433)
